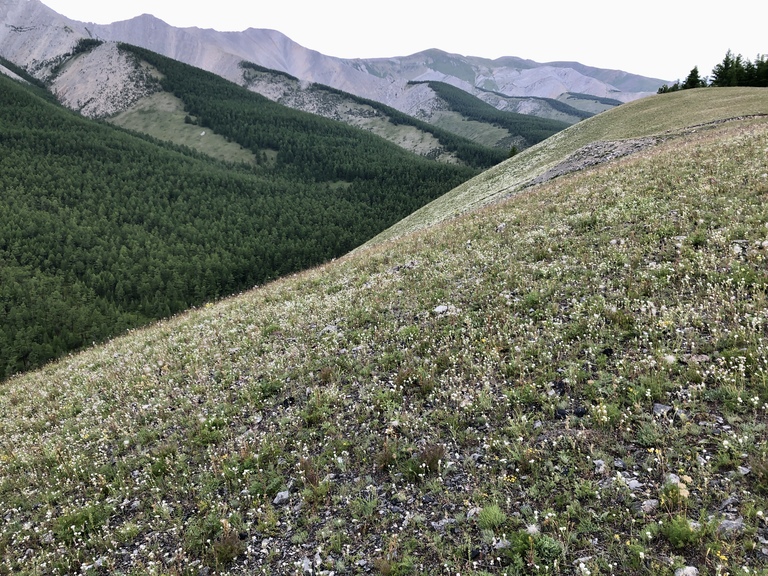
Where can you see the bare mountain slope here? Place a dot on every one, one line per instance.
(102, 82)
(384, 80)
(42, 41)
(34, 35)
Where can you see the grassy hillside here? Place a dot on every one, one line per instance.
(572, 381)
(663, 116)
(162, 116)
(102, 230)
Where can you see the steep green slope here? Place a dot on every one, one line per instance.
(101, 230)
(567, 108)
(572, 381)
(374, 116)
(523, 130)
(660, 117)
(261, 125)
(162, 116)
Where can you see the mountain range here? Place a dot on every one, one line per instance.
(39, 39)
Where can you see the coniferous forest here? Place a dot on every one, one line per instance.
(733, 70)
(102, 230)
(533, 129)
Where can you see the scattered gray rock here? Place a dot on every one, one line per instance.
(649, 506)
(635, 484)
(744, 470)
(661, 409)
(599, 466)
(731, 527)
(672, 479)
(306, 565)
(502, 544)
(694, 525)
(594, 154)
(696, 358)
(442, 309)
(282, 498)
(440, 526)
(619, 464)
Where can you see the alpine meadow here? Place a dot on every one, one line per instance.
(558, 365)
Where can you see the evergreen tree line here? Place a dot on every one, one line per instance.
(561, 106)
(308, 146)
(471, 153)
(532, 129)
(475, 155)
(37, 86)
(732, 71)
(102, 230)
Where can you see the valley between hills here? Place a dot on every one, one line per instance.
(562, 376)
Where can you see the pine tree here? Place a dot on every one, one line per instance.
(729, 72)
(694, 80)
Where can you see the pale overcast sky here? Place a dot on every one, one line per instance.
(657, 38)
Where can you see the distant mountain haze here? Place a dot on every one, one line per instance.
(37, 38)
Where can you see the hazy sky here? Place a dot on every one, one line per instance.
(657, 38)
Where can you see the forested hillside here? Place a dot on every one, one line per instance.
(531, 129)
(471, 153)
(102, 230)
(307, 143)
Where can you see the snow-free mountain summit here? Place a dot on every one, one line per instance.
(37, 38)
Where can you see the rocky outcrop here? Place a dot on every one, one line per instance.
(102, 82)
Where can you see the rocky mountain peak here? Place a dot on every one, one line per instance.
(39, 39)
